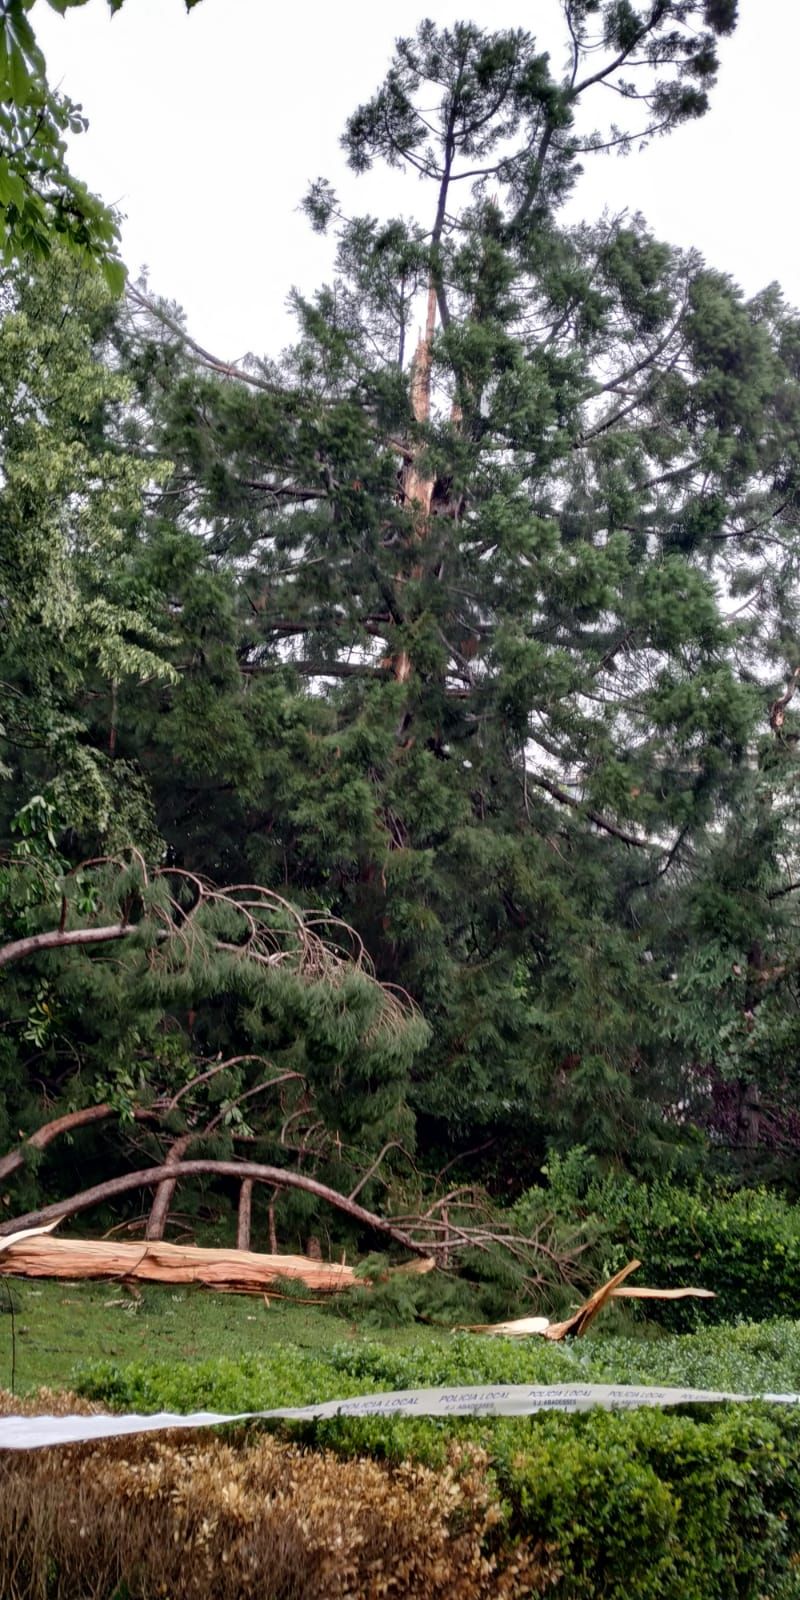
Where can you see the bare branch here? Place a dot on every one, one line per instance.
(596, 817)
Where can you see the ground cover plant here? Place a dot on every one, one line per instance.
(752, 1357)
(701, 1502)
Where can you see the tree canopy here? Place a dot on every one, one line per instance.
(480, 641)
(42, 204)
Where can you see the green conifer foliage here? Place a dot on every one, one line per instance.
(472, 622)
(494, 629)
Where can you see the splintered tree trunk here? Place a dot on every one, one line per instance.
(245, 1214)
(417, 485)
(162, 1199)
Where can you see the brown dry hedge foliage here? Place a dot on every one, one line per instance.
(204, 1519)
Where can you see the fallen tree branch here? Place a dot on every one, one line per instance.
(437, 1238)
(100, 1193)
(239, 1271)
(162, 1199)
(66, 1124)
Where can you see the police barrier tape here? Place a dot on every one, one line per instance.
(508, 1400)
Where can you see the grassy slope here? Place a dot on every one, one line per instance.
(60, 1326)
(63, 1327)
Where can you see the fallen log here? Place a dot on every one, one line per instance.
(153, 1261)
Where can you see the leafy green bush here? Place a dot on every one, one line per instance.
(648, 1506)
(750, 1358)
(744, 1244)
(702, 1504)
(287, 1377)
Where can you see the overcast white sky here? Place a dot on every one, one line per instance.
(205, 131)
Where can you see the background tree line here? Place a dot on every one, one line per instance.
(468, 626)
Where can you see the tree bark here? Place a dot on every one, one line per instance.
(102, 1192)
(748, 1121)
(162, 1199)
(50, 1130)
(245, 1214)
(58, 937)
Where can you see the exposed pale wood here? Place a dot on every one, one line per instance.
(25, 1233)
(630, 1292)
(579, 1322)
(519, 1328)
(614, 1289)
(240, 1271)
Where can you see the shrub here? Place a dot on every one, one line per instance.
(698, 1505)
(744, 1244)
(702, 1503)
(751, 1358)
(207, 1520)
(648, 1506)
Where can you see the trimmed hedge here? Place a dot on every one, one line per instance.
(701, 1504)
(649, 1506)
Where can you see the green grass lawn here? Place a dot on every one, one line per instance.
(61, 1326)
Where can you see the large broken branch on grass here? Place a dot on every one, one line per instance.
(577, 1324)
(454, 1224)
(233, 1271)
(101, 1193)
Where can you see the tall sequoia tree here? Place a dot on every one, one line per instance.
(491, 633)
(472, 621)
